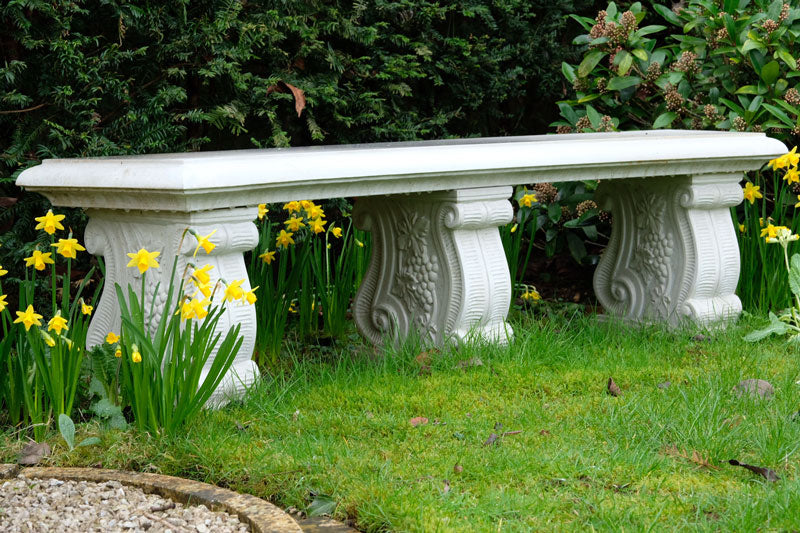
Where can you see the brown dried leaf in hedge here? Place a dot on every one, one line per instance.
(298, 94)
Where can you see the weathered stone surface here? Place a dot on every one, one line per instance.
(260, 515)
(8, 470)
(757, 388)
(321, 524)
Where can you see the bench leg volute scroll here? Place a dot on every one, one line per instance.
(673, 255)
(438, 269)
(114, 233)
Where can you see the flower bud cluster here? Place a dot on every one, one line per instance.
(792, 96)
(687, 63)
(585, 206)
(545, 192)
(674, 99)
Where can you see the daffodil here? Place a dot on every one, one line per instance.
(204, 243)
(250, 296)
(770, 232)
(136, 357)
(48, 340)
(284, 239)
(28, 318)
(68, 247)
(195, 308)
(783, 236)
(234, 291)
(204, 288)
(202, 274)
(112, 338)
(531, 294)
(268, 257)
(314, 211)
(514, 228)
(337, 231)
(3, 302)
(262, 211)
(317, 225)
(143, 260)
(792, 176)
(306, 204)
(359, 243)
(751, 192)
(294, 224)
(3, 271)
(118, 353)
(58, 323)
(741, 228)
(292, 207)
(527, 199)
(796, 205)
(792, 158)
(39, 260)
(86, 309)
(49, 222)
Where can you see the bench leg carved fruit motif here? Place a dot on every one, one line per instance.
(673, 254)
(114, 233)
(437, 268)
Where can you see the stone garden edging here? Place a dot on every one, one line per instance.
(260, 515)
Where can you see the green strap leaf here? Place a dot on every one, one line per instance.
(589, 62)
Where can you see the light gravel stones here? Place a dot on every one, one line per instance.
(34, 505)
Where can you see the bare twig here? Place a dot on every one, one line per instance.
(27, 109)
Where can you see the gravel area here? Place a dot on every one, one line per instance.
(34, 505)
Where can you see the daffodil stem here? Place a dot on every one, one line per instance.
(53, 281)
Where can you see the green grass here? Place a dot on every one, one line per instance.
(338, 424)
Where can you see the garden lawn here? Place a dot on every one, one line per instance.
(652, 458)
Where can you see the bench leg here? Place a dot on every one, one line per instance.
(113, 233)
(437, 269)
(673, 254)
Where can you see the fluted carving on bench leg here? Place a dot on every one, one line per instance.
(438, 268)
(112, 234)
(673, 254)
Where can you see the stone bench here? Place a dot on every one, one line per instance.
(437, 266)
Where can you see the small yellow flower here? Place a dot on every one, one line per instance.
(38, 260)
(57, 323)
(317, 225)
(234, 291)
(527, 199)
(783, 236)
(514, 228)
(796, 205)
(262, 211)
(741, 228)
(143, 260)
(314, 211)
(284, 239)
(49, 222)
(86, 309)
(3, 271)
(306, 204)
(202, 274)
(792, 176)
(294, 224)
(792, 158)
(195, 308)
(48, 340)
(136, 357)
(531, 294)
(204, 288)
(28, 318)
(68, 247)
(359, 243)
(3, 302)
(250, 296)
(292, 207)
(751, 193)
(204, 243)
(112, 337)
(337, 231)
(268, 257)
(770, 232)
(118, 353)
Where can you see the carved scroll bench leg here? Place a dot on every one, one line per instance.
(673, 254)
(113, 233)
(437, 268)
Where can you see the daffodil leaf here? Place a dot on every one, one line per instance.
(794, 275)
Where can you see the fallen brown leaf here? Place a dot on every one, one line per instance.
(418, 421)
(544, 432)
(613, 388)
(507, 433)
(694, 456)
(33, 453)
(764, 472)
(457, 468)
(491, 440)
(446, 487)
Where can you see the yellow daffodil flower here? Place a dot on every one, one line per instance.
(796, 205)
(292, 207)
(792, 176)
(250, 296)
(284, 239)
(783, 236)
(3, 302)
(527, 199)
(514, 228)
(3, 271)
(136, 357)
(48, 340)
(195, 308)
(531, 294)
(315, 211)
(262, 211)
(741, 228)
(57, 323)
(792, 158)
(204, 288)
(68, 247)
(770, 232)
(751, 192)
(306, 204)
(202, 274)
(112, 338)
(38, 260)
(317, 225)
(86, 309)
(359, 243)
(268, 257)
(204, 243)
(28, 318)
(118, 353)
(337, 231)
(294, 224)
(49, 222)
(143, 260)
(234, 291)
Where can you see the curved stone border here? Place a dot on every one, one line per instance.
(260, 515)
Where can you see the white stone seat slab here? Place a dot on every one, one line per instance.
(438, 266)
